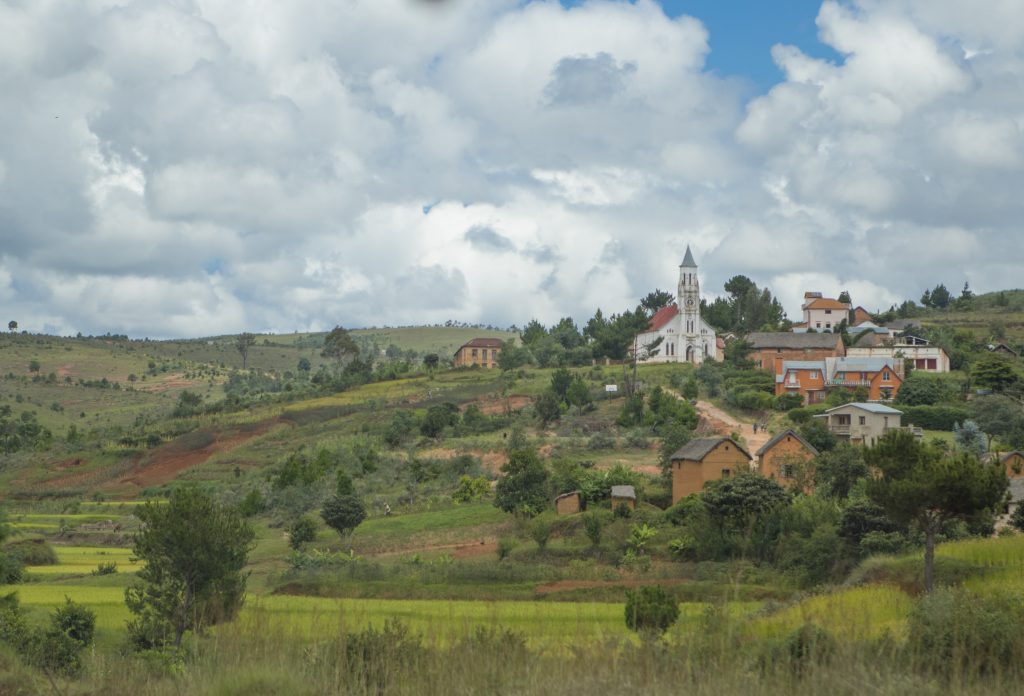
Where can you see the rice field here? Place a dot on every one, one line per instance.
(548, 626)
(82, 560)
(853, 614)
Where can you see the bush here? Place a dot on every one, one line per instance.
(637, 439)
(11, 570)
(505, 547)
(253, 503)
(601, 441)
(788, 402)
(954, 631)
(540, 532)
(32, 552)
(105, 569)
(934, 417)
(593, 525)
(302, 531)
(470, 489)
(1017, 518)
(809, 644)
(651, 611)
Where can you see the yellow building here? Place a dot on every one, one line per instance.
(706, 459)
(480, 351)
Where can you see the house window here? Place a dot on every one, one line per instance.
(885, 376)
(726, 473)
(792, 378)
(862, 420)
(863, 376)
(473, 352)
(484, 353)
(818, 324)
(828, 325)
(787, 471)
(932, 364)
(828, 311)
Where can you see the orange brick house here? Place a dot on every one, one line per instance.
(777, 457)
(480, 351)
(706, 459)
(770, 349)
(859, 315)
(812, 379)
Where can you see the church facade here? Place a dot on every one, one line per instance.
(686, 337)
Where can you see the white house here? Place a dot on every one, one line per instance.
(923, 356)
(686, 337)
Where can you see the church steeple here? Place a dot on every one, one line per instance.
(688, 261)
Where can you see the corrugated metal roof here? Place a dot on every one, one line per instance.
(788, 339)
(778, 438)
(697, 449)
(871, 408)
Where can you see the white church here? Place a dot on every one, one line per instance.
(685, 336)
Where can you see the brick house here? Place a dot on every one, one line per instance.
(777, 457)
(770, 349)
(706, 459)
(569, 503)
(813, 379)
(623, 495)
(480, 351)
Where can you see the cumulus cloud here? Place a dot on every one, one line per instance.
(185, 167)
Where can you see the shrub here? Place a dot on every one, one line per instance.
(1017, 518)
(253, 503)
(593, 526)
(623, 511)
(105, 569)
(540, 532)
(601, 441)
(505, 547)
(637, 439)
(470, 489)
(651, 611)
(955, 631)
(809, 644)
(11, 570)
(302, 531)
(934, 417)
(32, 552)
(788, 402)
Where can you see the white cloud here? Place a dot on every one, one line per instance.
(179, 168)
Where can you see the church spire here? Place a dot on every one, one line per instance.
(688, 259)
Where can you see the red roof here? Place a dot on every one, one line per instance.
(663, 316)
(483, 343)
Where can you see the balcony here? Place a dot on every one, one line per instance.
(848, 382)
(839, 429)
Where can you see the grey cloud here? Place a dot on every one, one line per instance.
(581, 80)
(487, 239)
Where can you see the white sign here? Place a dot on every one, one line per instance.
(611, 387)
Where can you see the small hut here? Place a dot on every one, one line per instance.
(623, 495)
(569, 503)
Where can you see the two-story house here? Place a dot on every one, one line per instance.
(919, 351)
(822, 313)
(860, 423)
(480, 351)
(770, 349)
(813, 379)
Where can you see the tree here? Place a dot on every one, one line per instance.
(921, 486)
(343, 513)
(836, 472)
(339, 346)
(578, 394)
(547, 407)
(999, 417)
(243, 343)
(560, 381)
(523, 488)
(656, 300)
(651, 611)
(437, 419)
(816, 432)
(302, 531)
(844, 296)
(430, 361)
(12, 325)
(304, 365)
(941, 297)
(968, 437)
(193, 552)
(736, 353)
(533, 332)
(995, 372)
(34, 366)
(512, 357)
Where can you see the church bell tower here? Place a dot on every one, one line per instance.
(689, 308)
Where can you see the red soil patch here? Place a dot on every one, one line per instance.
(64, 370)
(167, 461)
(514, 402)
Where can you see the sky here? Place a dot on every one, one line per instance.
(174, 168)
